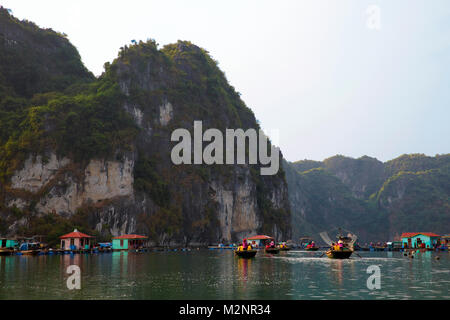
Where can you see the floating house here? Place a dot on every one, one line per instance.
(7, 246)
(8, 243)
(75, 241)
(259, 240)
(420, 240)
(129, 241)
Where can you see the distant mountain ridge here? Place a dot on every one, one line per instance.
(374, 199)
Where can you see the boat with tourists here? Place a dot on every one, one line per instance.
(311, 246)
(343, 248)
(247, 254)
(272, 248)
(284, 247)
(245, 250)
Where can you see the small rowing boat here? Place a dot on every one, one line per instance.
(312, 249)
(339, 254)
(273, 250)
(343, 248)
(247, 254)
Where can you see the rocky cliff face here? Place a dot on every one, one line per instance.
(97, 156)
(377, 201)
(60, 191)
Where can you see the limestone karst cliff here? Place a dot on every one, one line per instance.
(95, 152)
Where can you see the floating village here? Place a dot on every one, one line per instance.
(342, 247)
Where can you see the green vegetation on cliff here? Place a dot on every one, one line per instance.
(376, 200)
(50, 103)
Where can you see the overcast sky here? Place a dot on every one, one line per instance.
(312, 69)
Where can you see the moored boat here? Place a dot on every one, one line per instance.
(29, 248)
(30, 252)
(247, 254)
(312, 249)
(6, 251)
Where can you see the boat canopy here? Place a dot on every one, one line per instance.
(260, 237)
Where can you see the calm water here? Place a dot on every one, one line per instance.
(211, 274)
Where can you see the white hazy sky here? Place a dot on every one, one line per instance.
(311, 69)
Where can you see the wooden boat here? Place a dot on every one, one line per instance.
(6, 251)
(273, 250)
(339, 254)
(29, 252)
(285, 248)
(247, 254)
(29, 249)
(346, 242)
(312, 249)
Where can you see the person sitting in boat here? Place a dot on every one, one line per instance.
(244, 244)
(340, 245)
(335, 246)
(313, 245)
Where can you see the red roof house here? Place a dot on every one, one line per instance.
(413, 234)
(130, 236)
(427, 240)
(259, 237)
(75, 240)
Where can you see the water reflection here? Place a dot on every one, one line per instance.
(337, 272)
(220, 275)
(119, 264)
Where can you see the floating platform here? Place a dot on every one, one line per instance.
(221, 248)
